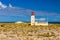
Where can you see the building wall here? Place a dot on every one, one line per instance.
(42, 23)
(32, 20)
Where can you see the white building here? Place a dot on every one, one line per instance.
(32, 19)
(41, 23)
(37, 23)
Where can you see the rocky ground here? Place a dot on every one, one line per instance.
(23, 31)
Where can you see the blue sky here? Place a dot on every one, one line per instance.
(47, 8)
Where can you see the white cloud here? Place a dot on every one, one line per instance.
(10, 6)
(42, 19)
(2, 5)
(43, 13)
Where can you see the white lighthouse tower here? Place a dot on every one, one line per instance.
(32, 18)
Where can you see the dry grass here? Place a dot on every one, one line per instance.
(27, 28)
(24, 29)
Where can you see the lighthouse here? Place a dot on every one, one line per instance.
(32, 18)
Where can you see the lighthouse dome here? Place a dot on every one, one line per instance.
(32, 13)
